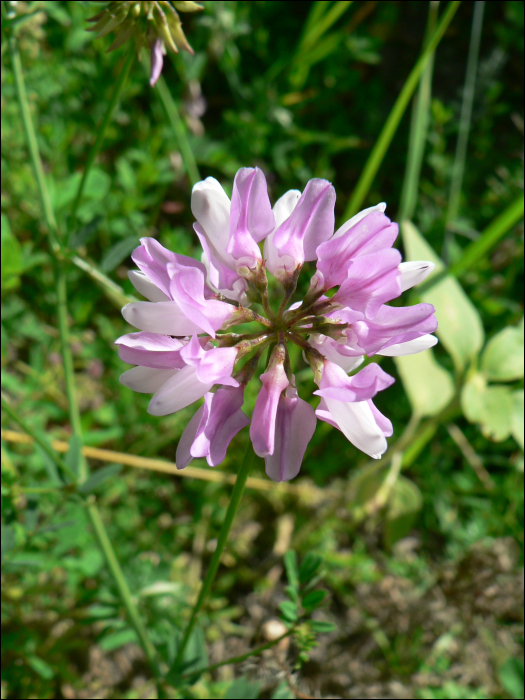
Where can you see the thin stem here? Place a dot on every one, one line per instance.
(112, 290)
(101, 131)
(458, 169)
(32, 144)
(238, 659)
(385, 138)
(418, 127)
(235, 500)
(179, 130)
(13, 414)
(123, 589)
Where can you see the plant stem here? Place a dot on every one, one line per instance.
(112, 290)
(383, 142)
(123, 589)
(101, 131)
(418, 128)
(32, 144)
(458, 168)
(221, 542)
(179, 130)
(238, 659)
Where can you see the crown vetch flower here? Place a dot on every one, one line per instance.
(185, 350)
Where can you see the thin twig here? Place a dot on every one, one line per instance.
(471, 456)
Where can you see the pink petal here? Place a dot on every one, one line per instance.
(214, 365)
(357, 422)
(294, 427)
(179, 391)
(262, 429)
(211, 207)
(373, 233)
(164, 317)
(143, 285)
(282, 209)
(146, 380)
(156, 61)
(150, 350)
(183, 455)
(372, 280)
(310, 224)
(336, 384)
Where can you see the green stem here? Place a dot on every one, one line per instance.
(235, 500)
(32, 144)
(418, 128)
(124, 592)
(383, 142)
(238, 659)
(13, 414)
(179, 130)
(458, 168)
(112, 290)
(101, 131)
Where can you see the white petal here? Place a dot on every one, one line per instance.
(357, 218)
(356, 421)
(211, 207)
(146, 380)
(178, 392)
(183, 455)
(161, 317)
(413, 273)
(143, 285)
(411, 347)
(285, 205)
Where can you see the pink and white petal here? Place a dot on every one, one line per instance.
(262, 429)
(164, 317)
(381, 207)
(324, 414)
(211, 207)
(413, 273)
(336, 384)
(294, 428)
(356, 421)
(150, 350)
(251, 210)
(216, 366)
(223, 436)
(146, 287)
(412, 347)
(183, 455)
(383, 423)
(393, 325)
(373, 233)
(179, 391)
(372, 281)
(311, 222)
(282, 210)
(146, 380)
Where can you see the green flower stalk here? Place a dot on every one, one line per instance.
(153, 24)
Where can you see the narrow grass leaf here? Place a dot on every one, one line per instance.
(99, 477)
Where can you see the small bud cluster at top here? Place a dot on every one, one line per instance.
(186, 348)
(155, 25)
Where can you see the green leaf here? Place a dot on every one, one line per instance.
(41, 667)
(292, 571)
(313, 599)
(511, 676)
(322, 626)
(428, 385)
(195, 652)
(502, 359)
(460, 328)
(491, 407)
(293, 593)
(73, 455)
(115, 640)
(242, 688)
(51, 468)
(309, 566)
(404, 504)
(517, 417)
(8, 539)
(289, 610)
(117, 253)
(99, 477)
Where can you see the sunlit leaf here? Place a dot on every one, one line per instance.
(491, 407)
(460, 328)
(502, 358)
(428, 385)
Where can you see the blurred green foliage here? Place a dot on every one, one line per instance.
(301, 93)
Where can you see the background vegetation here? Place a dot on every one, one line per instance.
(422, 569)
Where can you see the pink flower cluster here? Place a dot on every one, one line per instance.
(184, 350)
